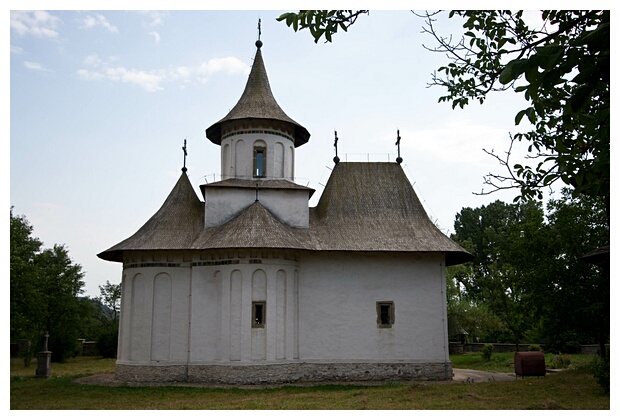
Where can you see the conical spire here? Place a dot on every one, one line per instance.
(257, 102)
(174, 226)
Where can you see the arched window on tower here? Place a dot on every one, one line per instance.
(260, 161)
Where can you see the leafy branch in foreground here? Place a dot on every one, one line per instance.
(563, 70)
(560, 63)
(321, 22)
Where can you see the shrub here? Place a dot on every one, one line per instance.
(572, 347)
(600, 371)
(533, 347)
(107, 343)
(559, 361)
(487, 352)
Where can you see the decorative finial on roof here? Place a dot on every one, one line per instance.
(259, 43)
(184, 169)
(336, 158)
(399, 160)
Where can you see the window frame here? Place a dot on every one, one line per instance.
(391, 314)
(260, 321)
(263, 164)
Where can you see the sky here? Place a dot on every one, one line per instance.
(102, 100)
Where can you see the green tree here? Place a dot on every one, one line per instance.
(573, 295)
(61, 281)
(26, 297)
(45, 285)
(495, 234)
(475, 318)
(527, 269)
(562, 67)
(110, 301)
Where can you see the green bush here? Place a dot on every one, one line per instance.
(107, 343)
(559, 361)
(534, 347)
(487, 352)
(572, 347)
(600, 371)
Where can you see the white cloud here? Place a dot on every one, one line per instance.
(149, 81)
(30, 65)
(156, 36)
(98, 20)
(184, 71)
(38, 23)
(89, 75)
(152, 80)
(103, 70)
(441, 144)
(156, 17)
(229, 65)
(16, 50)
(92, 60)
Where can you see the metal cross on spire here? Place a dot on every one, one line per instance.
(336, 158)
(398, 159)
(258, 42)
(259, 29)
(184, 169)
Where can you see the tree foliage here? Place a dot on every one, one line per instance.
(496, 278)
(45, 289)
(527, 269)
(561, 66)
(110, 303)
(321, 23)
(26, 309)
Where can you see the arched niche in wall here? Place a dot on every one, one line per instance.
(162, 314)
(239, 161)
(227, 165)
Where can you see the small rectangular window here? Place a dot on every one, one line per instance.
(259, 162)
(385, 314)
(258, 314)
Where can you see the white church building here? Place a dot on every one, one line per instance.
(248, 284)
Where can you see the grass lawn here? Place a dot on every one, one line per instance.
(569, 389)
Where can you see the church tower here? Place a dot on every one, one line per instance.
(253, 286)
(257, 146)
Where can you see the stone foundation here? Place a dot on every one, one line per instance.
(275, 373)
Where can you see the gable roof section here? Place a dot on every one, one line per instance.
(254, 227)
(257, 102)
(373, 207)
(174, 226)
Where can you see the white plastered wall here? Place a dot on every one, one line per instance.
(217, 289)
(338, 293)
(288, 205)
(237, 156)
(321, 306)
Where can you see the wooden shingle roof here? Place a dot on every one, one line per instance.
(365, 207)
(373, 207)
(257, 102)
(173, 226)
(254, 227)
